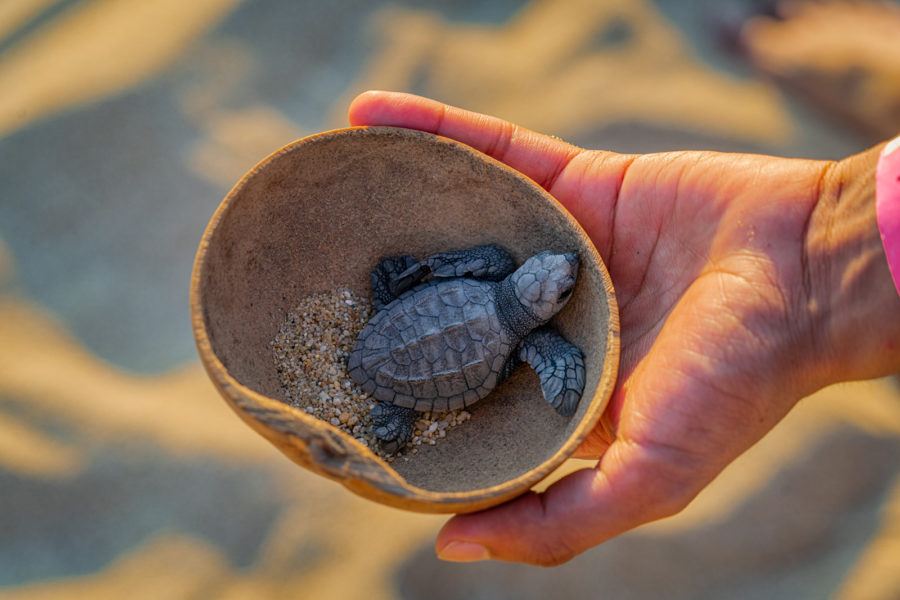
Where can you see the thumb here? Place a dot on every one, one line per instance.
(577, 512)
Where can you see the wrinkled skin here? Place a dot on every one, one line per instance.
(744, 283)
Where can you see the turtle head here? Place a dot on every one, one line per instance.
(545, 282)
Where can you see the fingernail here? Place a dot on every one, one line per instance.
(463, 552)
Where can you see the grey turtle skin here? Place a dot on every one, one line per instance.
(451, 327)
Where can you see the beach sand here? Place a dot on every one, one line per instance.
(123, 473)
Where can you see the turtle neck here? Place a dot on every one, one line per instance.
(514, 316)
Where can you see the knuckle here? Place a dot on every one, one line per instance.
(670, 505)
(552, 554)
(667, 484)
(667, 498)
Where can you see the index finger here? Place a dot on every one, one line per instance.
(540, 157)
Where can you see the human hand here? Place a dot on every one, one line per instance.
(737, 279)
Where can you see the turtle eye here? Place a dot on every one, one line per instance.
(565, 294)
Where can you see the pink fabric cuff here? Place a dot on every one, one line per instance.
(887, 205)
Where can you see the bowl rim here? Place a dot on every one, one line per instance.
(390, 487)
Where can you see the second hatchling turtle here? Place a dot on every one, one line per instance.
(449, 328)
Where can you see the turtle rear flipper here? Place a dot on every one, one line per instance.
(393, 425)
(560, 366)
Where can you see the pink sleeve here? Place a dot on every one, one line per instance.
(887, 205)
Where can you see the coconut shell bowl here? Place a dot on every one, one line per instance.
(320, 214)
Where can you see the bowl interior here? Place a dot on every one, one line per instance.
(322, 212)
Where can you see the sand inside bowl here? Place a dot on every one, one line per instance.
(310, 354)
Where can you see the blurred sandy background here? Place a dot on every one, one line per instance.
(122, 125)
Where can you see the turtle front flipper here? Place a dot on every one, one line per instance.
(559, 364)
(393, 276)
(387, 279)
(393, 425)
(490, 262)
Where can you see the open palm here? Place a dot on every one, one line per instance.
(719, 292)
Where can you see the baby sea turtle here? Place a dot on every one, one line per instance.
(451, 327)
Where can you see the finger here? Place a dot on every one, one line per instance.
(586, 182)
(540, 157)
(598, 439)
(594, 445)
(578, 512)
(531, 529)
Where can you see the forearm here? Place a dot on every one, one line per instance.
(854, 306)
